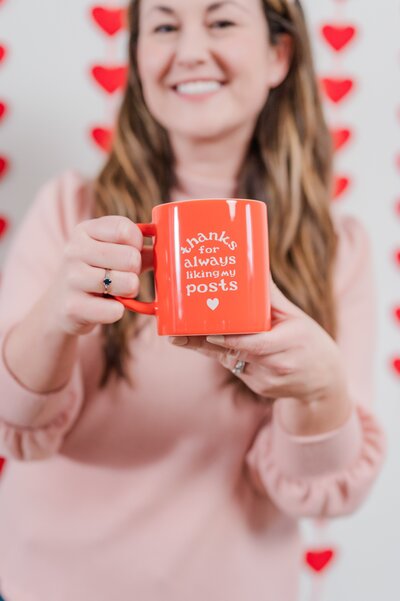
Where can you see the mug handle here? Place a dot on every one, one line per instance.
(147, 229)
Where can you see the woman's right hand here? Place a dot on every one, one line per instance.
(76, 297)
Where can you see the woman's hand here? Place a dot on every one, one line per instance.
(75, 299)
(296, 361)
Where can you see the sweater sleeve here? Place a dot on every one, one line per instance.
(32, 425)
(331, 474)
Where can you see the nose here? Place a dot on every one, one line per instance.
(192, 47)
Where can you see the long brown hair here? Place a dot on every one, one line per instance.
(289, 164)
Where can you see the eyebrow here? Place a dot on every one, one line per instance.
(212, 7)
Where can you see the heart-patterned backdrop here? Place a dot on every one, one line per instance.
(62, 67)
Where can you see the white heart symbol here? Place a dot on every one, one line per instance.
(212, 303)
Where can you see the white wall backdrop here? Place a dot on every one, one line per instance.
(47, 48)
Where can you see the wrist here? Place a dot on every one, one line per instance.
(49, 367)
(315, 417)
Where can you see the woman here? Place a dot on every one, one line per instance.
(148, 470)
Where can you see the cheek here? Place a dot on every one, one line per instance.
(248, 63)
(251, 82)
(152, 62)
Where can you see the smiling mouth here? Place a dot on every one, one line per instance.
(198, 88)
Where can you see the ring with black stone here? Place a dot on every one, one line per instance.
(107, 281)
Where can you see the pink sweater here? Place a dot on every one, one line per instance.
(180, 489)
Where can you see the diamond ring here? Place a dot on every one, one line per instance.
(239, 368)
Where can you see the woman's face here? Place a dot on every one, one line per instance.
(207, 66)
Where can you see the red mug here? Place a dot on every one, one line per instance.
(211, 264)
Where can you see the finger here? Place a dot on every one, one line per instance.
(265, 397)
(256, 380)
(94, 310)
(227, 357)
(195, 343)
(107, 255)
(264, 343)
(199, 343)
(114, 228)
(90, 279)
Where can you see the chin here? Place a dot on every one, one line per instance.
(202, 131)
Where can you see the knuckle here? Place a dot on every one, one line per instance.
(80, 228)
(283, 369)
(133, 282)
(116, 312)
(132, 259)
(120, 311)
(71, 308)
(70, 251)
(122, 230)
(260, 389)
(138, 235)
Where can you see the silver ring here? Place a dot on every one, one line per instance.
(239, 368)
(107, 281)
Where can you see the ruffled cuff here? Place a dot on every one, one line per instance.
(318, 476)
(321, 454)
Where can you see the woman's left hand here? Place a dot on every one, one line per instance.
(297, 358)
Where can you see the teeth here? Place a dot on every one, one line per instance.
(199, 87)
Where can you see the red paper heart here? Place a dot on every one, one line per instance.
(103, 137)
(340, 186)
(4, 164)
(397, 313)
(3, 52)
(340, 137)
(397, 257)
(396, 365)
(336, 89)
(110, 79)
(3, 225)
(318, 560)
(338, 36)
(3, 110)
(110, 20)
(2, 460)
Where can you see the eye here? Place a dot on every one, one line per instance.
(164, 29)
(222, 24)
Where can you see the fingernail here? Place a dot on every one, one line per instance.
(178, 340)
(216, 339)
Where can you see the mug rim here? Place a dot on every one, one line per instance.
(195, 200)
